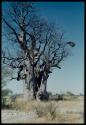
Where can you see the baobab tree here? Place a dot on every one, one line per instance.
(40, 47)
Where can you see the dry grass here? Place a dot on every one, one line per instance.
(23, 106)
(69, 111)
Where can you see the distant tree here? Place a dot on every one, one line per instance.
(70, 93)
(40, 47)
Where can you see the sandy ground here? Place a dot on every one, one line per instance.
(14, 116)
(69, 111)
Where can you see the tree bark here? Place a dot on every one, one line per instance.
(34, 88)
(42, 93)
(32, 91)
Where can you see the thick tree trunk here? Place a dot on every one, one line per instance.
(34, 87)
(42, 93)
(28, 94)
(29, 91)
(29, 82)
(28, 88)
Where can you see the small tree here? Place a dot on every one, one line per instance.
(39, 45)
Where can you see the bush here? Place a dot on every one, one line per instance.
(6, 102)
(47, 110)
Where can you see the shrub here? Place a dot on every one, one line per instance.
(6, 102)
(47, 110)
(51, 111)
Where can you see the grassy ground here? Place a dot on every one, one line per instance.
(66, 111)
